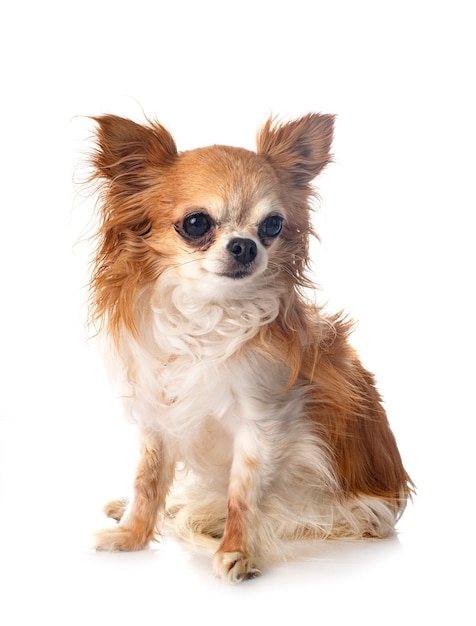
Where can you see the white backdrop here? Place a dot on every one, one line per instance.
(397, 252)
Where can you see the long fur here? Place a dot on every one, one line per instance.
(259, 423)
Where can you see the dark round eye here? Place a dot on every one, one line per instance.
(196, 225)
(270, 227)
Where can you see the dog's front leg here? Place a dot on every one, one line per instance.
(236, 558)
(138, 520)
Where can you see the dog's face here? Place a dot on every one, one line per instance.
(228, 216)
(222, 217)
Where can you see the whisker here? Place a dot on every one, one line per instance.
(281, 268)
(175, 265)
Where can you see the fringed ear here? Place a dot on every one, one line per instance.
(126, 152)
(128, 160)
(299, 149)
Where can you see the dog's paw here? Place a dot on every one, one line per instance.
(119, 539)
(115, 509)
(233, 567)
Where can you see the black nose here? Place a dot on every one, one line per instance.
(242, 250)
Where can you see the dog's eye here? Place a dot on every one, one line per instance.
(196, 225)
(270, 227)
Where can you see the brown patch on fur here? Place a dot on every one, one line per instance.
(345, 406)
(348, 413)
(299, 149)
(234, 537)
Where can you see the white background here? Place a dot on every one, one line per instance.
(397, 252)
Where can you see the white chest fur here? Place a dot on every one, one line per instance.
(190, 363)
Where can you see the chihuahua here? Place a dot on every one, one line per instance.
(259, 424)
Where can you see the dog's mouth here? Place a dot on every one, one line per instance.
(238, 273)
(230, 272)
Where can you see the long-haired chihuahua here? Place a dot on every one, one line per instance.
(259, 424)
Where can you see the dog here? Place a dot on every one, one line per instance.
(259, 424)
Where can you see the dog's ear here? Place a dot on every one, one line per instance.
(299, 149)
(127, 153)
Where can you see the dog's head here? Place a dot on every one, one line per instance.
(220, 216)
